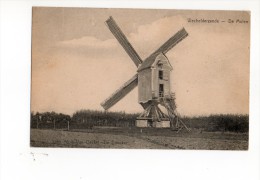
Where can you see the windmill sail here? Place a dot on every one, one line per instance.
(174, 40)
(116, 31)
(120, 93)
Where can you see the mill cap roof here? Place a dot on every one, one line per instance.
(152, 60)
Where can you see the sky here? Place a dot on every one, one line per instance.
(77, 63)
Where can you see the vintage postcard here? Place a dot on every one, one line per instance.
(140, 78)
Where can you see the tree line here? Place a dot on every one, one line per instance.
(220, 122)
(85, 119)
(49, 120)
(90, 118)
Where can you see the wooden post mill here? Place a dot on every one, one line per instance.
(153, 81)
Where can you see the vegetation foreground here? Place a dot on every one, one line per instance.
(87, 119)
(99, 129)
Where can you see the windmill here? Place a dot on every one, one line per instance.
(153, 81)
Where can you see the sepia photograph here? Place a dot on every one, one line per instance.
(139, 78)
(129, 90)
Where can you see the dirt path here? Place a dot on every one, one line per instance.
(59, 138)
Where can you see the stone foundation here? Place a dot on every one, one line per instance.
(141, 123)
(156, 124)
(161, 124)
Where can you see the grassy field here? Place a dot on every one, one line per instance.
(146, 138)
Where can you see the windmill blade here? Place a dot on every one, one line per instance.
(116, 31)
(120, 93)
(175, 39)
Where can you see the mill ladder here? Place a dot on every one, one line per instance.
(173, 114)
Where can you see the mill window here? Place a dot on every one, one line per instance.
(160, 74)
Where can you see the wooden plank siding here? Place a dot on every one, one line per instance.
(144, 85)
(165, 81)
(149, 80)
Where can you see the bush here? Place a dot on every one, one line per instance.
(49, 119)
(232, 123)
(90, 118)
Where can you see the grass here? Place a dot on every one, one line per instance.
(148, 138)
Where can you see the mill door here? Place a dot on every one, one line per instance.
(161, 90)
